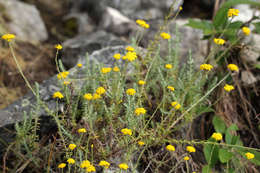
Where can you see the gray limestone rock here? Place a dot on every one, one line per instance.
(24, 20)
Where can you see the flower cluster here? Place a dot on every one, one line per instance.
(219, 41)
(190, 149)
(232, 12)
(117, 56)
(57, 95)
(142, 23)
(176, 105)
(171, 88)
(63, 75)
(130, 49)
(206, 67)
(105, 70)
(130, 56)
(141, 143)
(168, 66)
(82, 130)
(140, 111)
(217, 136)
(233, 67)
(116, 69)
(8, 37)
(130, 91)
(123, 166)
(246, 30)
(72, 146)
(170, 148)
(104, 164)
(141, 82)
(126, 131)
(165, 36)
(249, 155)
(228, 88)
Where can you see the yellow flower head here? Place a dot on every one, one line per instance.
(170, 148)
(91, 168)
(130, 91)
(140, 111)
(72, 146)
(168, 66)
(219, 41)
(186, 158)
(176, 105)
(62, 165)
(180, 8)
(117, 56)
(85, 164)
(96, 96)
(105, 70)
(171, 88)
(246, 30)
(126, 131)
(123, 166)
(82, 130)
(207, 67)
(71, 161)
(57, 95)
(249, 155)
(79, 65)
(124, 58)
(8, 37)
(142, 23)
(104, 163)
(190, 149)
(232, 12)
(100, 90)
(141, 143)
(217, 136)
(63, 75)
(66, 82)
(233, 67)
(116, 69)
(131, 56)
(165, 36)
(58, 46)
(141, 82)
(228, 88)
(130, 49)
(88, 96)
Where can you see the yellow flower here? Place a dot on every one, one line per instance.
(116, 69)
(105, 70)
(249, 155)
(71, 161)
(79, 65)
(123, 166)
(130, 91)
(58, 46)
(217, 136)
(126, 131)
(72, 146)
(176, 105)
(170, 148)
(180, 8)
(186, 158)
(130, 48)
(117, 56)
(168, 66)
(100, 90)
(232, 12)
(82, 130)
(219, 41)
(8, 37)
(131, 56)
(141, 82)
(228, 88)
(91, 168)
(165, 36)
(96, 96)
(233, 67)
(62, 165)
(57, 95)
(104, 163)
(141, 143)
(207, 67)
(124, 57)
(88, 96)
(85, 164)
(190, 149)
(66, 82)
(142, 23)
(63, 75)
(246, 30)
(140, 111)
(171, 88)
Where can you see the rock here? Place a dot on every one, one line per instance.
(24, 20)
(248, 78)
(78, 47)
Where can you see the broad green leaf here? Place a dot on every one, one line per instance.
(219, 124)
(255, 160)
(206, 169)
(206, 26)
(235, 25)
(204, 109)
(224, 155)
(211, 153)
(257, 66)
(231, 139)
(257, 27)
